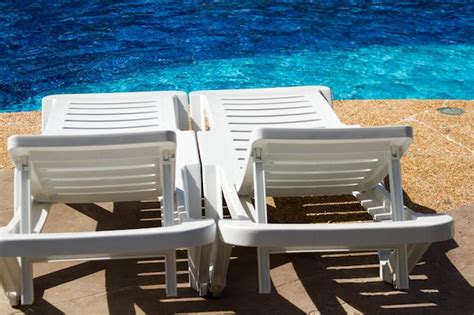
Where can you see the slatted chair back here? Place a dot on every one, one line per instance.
(300, 162)
(236, 113)
(114, 112)
(96, 169)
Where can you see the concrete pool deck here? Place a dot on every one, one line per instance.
(438, 176)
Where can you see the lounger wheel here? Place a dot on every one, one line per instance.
(400, 287)
(203, 289)
(13, 298)
(216, 290)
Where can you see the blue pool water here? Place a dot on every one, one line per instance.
(417, 49)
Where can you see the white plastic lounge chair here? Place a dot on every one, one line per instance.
(289, 142)
(100, 147)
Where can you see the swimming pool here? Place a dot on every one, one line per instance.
(362, 51)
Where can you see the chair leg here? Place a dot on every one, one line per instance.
(203, 269)
(27, 290)
(25, 205)
(199, 260)
(394, 267)
(264, 280)
(194, 258)
(214, 209)
(10, 278)
(386, 271)
(170, 271)
(401, 273)
(16, 190)
(220, 266)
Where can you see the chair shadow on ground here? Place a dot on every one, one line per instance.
(139, 284)
(329, 282)
(349, 282)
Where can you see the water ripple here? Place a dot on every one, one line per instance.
(407, 49)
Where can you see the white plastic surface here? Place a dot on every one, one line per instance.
(100, 147)
(304, 159)
(329, 161)
(236, 113)
(114, 112)
(94, 169)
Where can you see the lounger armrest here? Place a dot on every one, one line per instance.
(398, 135)
(21, 145)
(333, 133)
(188, 173)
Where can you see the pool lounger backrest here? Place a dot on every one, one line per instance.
(299, 162)
(114, 112)
(236, 113)
(94, 169)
